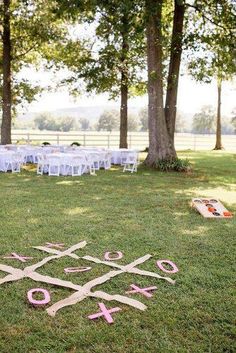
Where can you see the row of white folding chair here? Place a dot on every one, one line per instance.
(30, 156)
(101, 159)
(54, 165)
(82, 163)
(77, 165)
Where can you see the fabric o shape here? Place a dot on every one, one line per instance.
(76, 269)
(161, 267)
(33, 301)
(109, 258)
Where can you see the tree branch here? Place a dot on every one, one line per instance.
(208, 18)
(26, 52)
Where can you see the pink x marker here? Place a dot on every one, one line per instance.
(55, 245)
(104, 312)
(18, 257)
(143, 291)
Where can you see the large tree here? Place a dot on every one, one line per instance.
(23, 39)
(210, 14)
(115, 58)
(7, 72)
(162, 118)
(213, 44)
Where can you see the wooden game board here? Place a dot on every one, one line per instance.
(211, 208)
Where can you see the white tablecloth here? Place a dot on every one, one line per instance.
(116, 154)
(65, 160)
(31, 152)
(6, 156)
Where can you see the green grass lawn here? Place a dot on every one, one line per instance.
(143, 213)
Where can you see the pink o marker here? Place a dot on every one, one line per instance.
(110, 255)
(33, 301)
(172, 264)
(76, 269)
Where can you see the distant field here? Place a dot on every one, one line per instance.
(139, 140)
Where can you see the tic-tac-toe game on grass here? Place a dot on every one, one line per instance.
(68, 296)
(88, 289)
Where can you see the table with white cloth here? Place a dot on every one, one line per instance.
(118, 153)
(98, 158)
(30, 153)
(95, 157)
(65, 160)
(5, 157)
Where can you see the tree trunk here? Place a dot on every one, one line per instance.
(174, 67)
(218, 145)
(6, 65)
(160, 147)
(124, 84)
(123, 115)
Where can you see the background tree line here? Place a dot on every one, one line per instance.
(202, 122)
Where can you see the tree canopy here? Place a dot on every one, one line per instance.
(133, 42)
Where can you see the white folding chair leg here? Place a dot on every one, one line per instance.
(73, 170)
(40, 169)
(6, 167)
(16, 167)
(92, 170)
(51, 171)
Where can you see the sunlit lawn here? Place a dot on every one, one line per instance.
(148, 212)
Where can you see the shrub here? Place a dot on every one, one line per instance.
(21, 142)
(76, 144)
(46, 143)
(178, 165)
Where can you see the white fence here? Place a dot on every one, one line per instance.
(137, 140)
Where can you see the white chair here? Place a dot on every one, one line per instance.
(54, 164)
(131, 162)
(90, 164)
(123, 156)
(42, 165)
(105, 160)
(77, 165)
(96, 159)
(14, 162)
